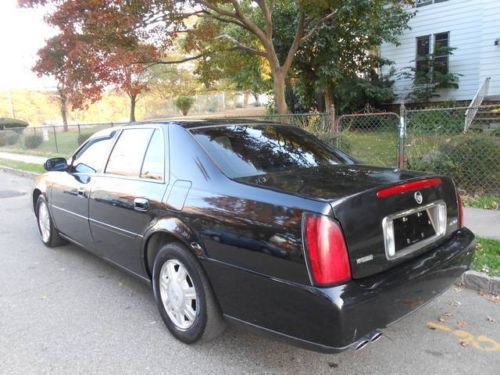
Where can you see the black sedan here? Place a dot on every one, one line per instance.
(260, 224)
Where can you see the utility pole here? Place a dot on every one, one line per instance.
(12, 110)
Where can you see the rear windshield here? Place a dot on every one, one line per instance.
(250, 150)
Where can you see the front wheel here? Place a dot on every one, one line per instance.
(48, 232)
(183, 295)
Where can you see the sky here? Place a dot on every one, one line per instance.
(22, 33)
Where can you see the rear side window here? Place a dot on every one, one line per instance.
(154, 166)
(249, 150)
(128, 154)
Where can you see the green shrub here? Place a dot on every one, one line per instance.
(11, 137)
(184, 104)
(33, 141)
(472, 160)
(82, 137)
(8, 137)
(12, 123)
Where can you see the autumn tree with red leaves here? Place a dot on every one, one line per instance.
(85, 64)
(128, 24)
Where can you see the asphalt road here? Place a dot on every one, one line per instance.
(65, 311)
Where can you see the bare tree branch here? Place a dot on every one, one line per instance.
(222, 19)
(297, 40)
(317, 25)
(267, 17)
(242, 46)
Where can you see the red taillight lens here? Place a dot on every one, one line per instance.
(328, 258)
(408, 186)
(460, 211)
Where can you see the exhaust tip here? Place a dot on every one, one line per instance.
(376, 337)
(362, 344)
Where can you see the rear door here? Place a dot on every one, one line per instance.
(70, 191)
(126, 198)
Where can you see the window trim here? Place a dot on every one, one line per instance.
(165, 177)
(432, 49)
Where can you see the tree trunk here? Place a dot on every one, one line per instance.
(256, 97)
(330, 108)
(329, 100)
(279, 92)
(64, 110)
(133, 101)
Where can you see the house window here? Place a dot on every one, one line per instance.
(441, 52)
(423, 51)
(421, 3)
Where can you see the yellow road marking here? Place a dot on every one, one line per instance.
(482, 343)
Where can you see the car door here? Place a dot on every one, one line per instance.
(127, 196)
(69, 200)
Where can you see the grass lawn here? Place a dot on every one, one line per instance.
(487, 258)
(67, 142)
(28, 167)
(372, 147)
(490, 202)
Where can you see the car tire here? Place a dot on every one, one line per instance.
(48, 232)
(177, 274)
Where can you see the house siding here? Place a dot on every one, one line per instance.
(473, 27)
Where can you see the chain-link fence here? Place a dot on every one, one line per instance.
(48, 140)
(425, 139)
(436, 141)
(372, 138)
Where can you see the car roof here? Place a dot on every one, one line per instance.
(191, 124)
(187, 124)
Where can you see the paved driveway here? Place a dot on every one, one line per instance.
(65, 311)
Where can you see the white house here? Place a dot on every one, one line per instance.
(470, 26)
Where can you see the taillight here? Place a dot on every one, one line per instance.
(327, 250)
(460, 211)
(408, 186)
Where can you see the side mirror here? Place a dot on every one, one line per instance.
(56, 165)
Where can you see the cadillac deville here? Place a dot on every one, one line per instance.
(260, 224)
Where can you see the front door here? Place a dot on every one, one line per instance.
(125, 199)
(69, 199)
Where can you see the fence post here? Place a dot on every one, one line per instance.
(402, 136)
(79, 131)
(333, 121)
(55, 138)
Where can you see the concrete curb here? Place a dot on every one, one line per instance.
(480, 282)
(18, 172)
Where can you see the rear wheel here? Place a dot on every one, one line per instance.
(48, 232)
(184, 297)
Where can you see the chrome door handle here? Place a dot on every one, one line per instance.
(141, 204)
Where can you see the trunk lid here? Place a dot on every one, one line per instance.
(366, 220)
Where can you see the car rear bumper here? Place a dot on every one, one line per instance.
(341, 317)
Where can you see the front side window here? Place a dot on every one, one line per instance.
(128, 154)
(249, 150)
(92, 157)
